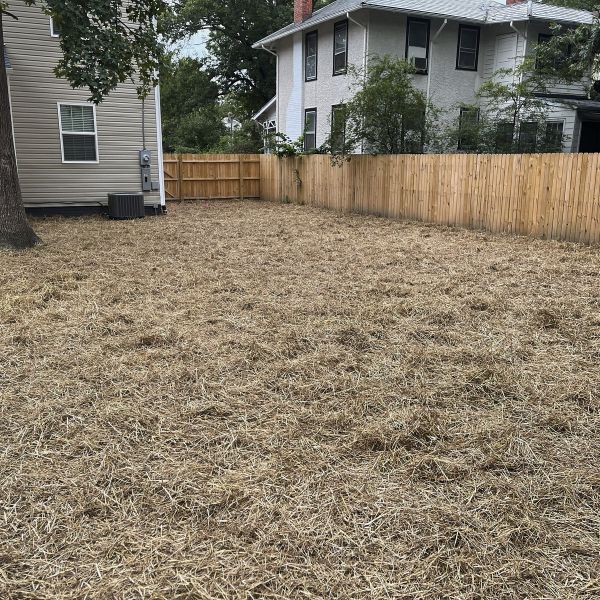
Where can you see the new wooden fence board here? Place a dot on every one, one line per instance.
(212, 176)
(593, 196)
(555, 196)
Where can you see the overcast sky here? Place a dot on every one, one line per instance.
(195, 46)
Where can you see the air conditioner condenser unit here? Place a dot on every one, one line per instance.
(126, 206)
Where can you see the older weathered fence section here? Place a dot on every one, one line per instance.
(553, 196)
(212, 176)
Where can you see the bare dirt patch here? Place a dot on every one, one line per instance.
(248, 400)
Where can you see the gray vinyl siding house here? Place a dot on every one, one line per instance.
(69, 152)
(506, 33)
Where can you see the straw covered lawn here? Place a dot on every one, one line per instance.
(262, 401)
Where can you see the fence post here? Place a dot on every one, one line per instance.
(180, 176)
(241, 165)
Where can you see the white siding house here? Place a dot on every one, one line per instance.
(70, 153)
(456, 45)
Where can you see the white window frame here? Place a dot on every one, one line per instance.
(61, 133)
(557, 121)
(345, 53)
(52, 32)
(306, 113)
(311, 34)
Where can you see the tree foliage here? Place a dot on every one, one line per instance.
(387, 114)
(107, 42)
(511, 116)
(573, 54)
(590, 5)
(192, 117)
(234, 26)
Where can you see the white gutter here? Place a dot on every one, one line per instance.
(365, 28)
(276, 85)
(430, 65)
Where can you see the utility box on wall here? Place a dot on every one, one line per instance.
(146, 166)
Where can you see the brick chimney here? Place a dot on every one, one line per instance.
(303, 9)
(511, 2)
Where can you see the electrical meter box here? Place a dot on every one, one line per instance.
(145, 165)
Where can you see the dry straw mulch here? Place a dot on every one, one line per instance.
(270, 401)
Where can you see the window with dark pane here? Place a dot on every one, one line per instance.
(505, 137)
(468, 124)
(54, 28)
(310, 129)
(311, 57)
(468, 48)
(340, 48)
(79, 148)
(338, 127)
(557, 60)
(528, 133)
(417, 44)
(554, 136)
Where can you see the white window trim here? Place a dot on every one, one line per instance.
(61, 132)
(52, 33)
(565, 136)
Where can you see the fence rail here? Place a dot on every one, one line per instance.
(550, 196)
(212, 176)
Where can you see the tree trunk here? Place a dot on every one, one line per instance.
(15, 230)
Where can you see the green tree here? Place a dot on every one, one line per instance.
(234, 26)
(242, 135)
(192, 116)
(511, 117)
(104, 43)
(580, 4)
(573, 54)
(245, 139)
(387, 114)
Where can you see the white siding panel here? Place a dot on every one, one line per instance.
(294, 114)
(35, 94)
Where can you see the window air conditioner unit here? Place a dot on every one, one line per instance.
(420, 64)
(126, 206)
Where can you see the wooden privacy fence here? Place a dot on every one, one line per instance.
(212, 176)
(551, 196)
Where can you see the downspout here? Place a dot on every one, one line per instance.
(365, 29)
(430, 65)
(276, 84)
(366, 54)
(525, 38)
